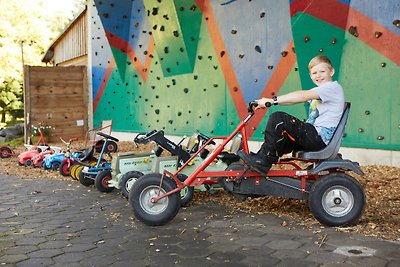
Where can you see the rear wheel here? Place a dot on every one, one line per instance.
(28, 163)
(5, 152)
(84, 180)
(72, 171)
(187, 192)
(101, 181)
(149, 212)
(127, 180)
(55, 166)
(228, 183)
(337, 199)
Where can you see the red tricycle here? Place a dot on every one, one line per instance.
(335, 198)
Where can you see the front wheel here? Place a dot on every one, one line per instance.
(149, 212)
(101, 181)
(337, 199)
(64, 168)
(127, 180)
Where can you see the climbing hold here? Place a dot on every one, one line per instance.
(360, 130)
(195, 77)
(155, 27)
(284, 53)
(257, 48)
(106, 15)
(262, 14)
(186, 90)
(162, 28)
(378, 34)
(270, 67)
(380, 138)
(155, 11)
(383, 64)
(333, 40)
(321, 50)
(157, 111)
(353, 31)
(235, 89)
(396, 23)
(367, 112)
(241, 55)
(233, 31)
(176, 33)
(222, 53)
(166, 50)
(306, 39)
(193, 7)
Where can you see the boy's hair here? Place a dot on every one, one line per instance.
(319, 59)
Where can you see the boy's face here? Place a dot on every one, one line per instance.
(321, 73)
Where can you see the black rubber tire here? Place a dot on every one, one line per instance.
(28, 163)
(42, 165)
(126, 180)
(83, 180)
(227, 185)
(340, 188)
(64, 168)
(111, 147)
(101, 181)
(154, 214)
(5, 152)
(186, 193)
(55, 166)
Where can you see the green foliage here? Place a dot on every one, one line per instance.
(27, 29)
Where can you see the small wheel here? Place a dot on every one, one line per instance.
(64, 168)
(55, 166)
(337, 199)
(42, 165)
(187, 192)
(111, 147)
(228, 184)
(127, 180)
(83, 180)
(72, 169)
(101, 181)
(28, 163)
(5, 152)
(142, 193)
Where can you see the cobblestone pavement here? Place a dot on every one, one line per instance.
(61, 223)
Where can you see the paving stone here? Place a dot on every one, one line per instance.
(284, 244)
(45, 253)
(85, 231)
(289, 253)
(14, 258)
(36, 262)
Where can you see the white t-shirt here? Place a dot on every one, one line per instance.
(325, 113)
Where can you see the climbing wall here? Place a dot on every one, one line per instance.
(187, 65)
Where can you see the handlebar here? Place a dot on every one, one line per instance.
(253, 104)
(70, 140)
(108, 136)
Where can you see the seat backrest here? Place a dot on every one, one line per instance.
(332, 149)
(236, 145)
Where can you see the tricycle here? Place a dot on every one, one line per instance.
(335, 198)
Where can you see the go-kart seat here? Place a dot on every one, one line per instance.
(231, 156)
(332, 149)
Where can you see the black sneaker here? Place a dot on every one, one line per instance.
(255, 162)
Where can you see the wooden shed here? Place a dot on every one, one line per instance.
(56, 96)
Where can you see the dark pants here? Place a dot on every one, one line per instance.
(285, 133)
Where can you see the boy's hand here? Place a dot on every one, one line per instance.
(261, 102)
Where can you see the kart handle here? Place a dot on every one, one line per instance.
(253, 104)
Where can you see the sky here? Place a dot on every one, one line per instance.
(66, 6)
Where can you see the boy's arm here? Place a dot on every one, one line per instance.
(290, 98)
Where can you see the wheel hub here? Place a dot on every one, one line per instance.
(338, 201)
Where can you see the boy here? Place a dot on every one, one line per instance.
(284, 133)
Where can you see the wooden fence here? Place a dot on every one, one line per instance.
(56, 97)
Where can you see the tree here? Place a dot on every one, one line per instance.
(27, 29)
